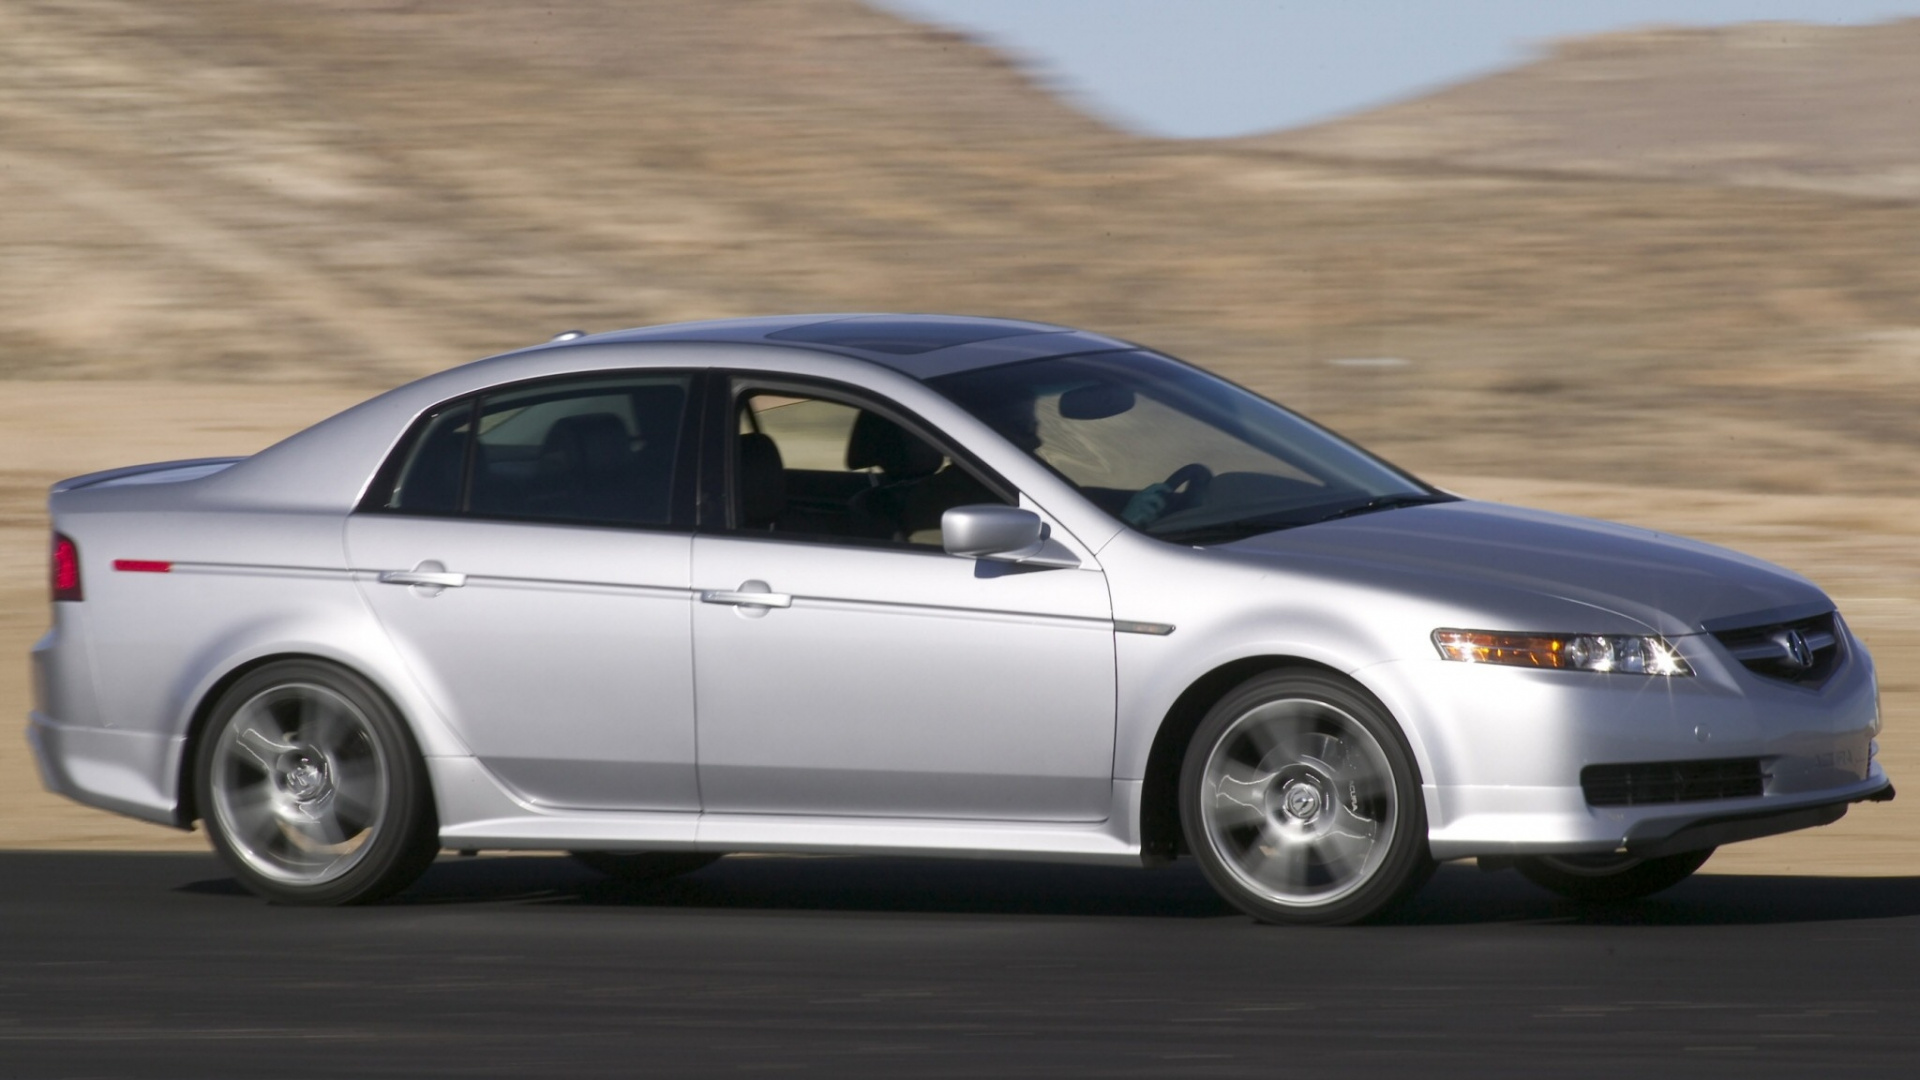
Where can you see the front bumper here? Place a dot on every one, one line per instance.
(1652, 839)
(1502, 749)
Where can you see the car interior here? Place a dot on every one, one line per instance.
(599, 455)
(813, 467)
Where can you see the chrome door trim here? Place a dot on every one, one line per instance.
(750, 594)
(422, 577)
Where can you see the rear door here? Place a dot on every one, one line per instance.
(527, 550)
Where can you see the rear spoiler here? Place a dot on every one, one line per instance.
(210, 464)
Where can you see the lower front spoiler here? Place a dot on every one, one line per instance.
(1653, 838)
(1668, 836)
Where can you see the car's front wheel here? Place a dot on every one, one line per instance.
(1301, 801)
(1605, 878)
(311, 788)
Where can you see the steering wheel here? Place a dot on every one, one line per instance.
(1196, 478)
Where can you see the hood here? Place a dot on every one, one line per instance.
(1483, 554)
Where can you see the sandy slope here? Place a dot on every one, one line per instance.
(1772, 104)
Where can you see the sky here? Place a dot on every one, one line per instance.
(1204, 68)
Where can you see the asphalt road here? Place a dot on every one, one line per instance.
(159, 966)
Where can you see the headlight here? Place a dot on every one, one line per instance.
(1629, 654)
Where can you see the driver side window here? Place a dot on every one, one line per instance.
(816, 467)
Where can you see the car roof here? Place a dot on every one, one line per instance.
(921, 346)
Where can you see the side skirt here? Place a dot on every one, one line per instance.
(477, 813)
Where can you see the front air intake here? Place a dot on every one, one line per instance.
(1654, 782)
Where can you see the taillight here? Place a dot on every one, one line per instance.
(66, 568)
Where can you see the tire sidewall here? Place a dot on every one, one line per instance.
(408, 836)
(1408, 862)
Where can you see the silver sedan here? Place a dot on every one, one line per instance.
(915, 585)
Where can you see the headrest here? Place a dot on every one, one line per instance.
(762, 480)
(593, 442)
(878, 441)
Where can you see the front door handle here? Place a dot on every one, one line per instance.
(429, 577)
(755, 594)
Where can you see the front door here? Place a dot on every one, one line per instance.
(845, 664)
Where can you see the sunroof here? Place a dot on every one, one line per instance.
(906, 336)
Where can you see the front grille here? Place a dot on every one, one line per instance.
(1804, 652)
(1650, 782)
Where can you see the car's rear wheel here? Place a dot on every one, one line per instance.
(1602, 878)
(311, 788)
(644, 866)
(1301, 801)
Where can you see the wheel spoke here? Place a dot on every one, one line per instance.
(299, 784)
(305, 716)
(1279, 861)
(356, 794)
(260, 826)
(1350, 841)
(253, 802)
(1239, 794)
(263, 748)
(324, 829)
(1276, 739)
(1299, 801)
(1231, 812)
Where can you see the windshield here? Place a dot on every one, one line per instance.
(1176, 452)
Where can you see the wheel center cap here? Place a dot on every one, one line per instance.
(1302, 801)
(304, 778)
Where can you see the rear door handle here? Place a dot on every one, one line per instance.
(749, 594)
(423, 577)
(429, 577)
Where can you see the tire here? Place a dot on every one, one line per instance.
(637, 867)
(311, 787)
(1607, 878)
(1264, 813)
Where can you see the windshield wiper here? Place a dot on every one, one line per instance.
(1384, 502)
(1228, 531)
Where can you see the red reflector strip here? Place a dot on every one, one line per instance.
(143, 566)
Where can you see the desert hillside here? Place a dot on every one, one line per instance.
(222, 219)
(363, 190)
(1817, 108)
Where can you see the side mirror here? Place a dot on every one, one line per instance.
(1003, 534)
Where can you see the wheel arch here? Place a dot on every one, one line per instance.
(186, 803)
(1161, 838)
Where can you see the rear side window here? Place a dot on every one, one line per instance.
(600, 451)
(434, 469)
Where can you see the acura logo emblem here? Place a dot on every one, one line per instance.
(1799, 653)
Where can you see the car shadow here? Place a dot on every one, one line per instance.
(1465, 894)
(1457, 894)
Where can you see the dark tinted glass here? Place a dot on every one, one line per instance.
(602, 450)
(432, 478)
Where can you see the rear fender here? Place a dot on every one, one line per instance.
(364, 651)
